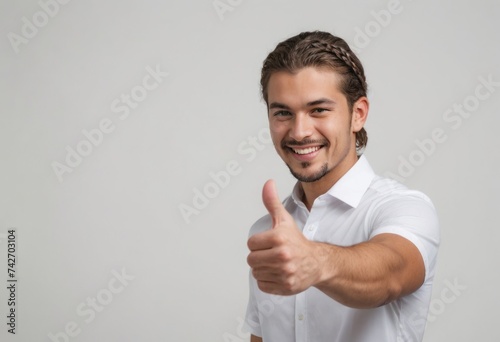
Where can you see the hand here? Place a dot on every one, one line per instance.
(282, 259)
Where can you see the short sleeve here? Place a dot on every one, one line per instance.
(411, 215)
(252, 322)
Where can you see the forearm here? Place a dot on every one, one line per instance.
(365, 275)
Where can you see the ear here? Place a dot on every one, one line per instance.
(359, 113)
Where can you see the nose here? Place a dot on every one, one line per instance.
(301, 127)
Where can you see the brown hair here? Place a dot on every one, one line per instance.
(319, 49)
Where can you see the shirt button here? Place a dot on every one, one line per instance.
(311, 228)
(301, 317)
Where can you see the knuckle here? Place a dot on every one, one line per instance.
(288, 286)
(289, 270)
(283, 255)
(278, 239)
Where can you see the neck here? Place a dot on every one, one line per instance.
(313, 190)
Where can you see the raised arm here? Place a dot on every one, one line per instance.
(365, 275)
(369, 274)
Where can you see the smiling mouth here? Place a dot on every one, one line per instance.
(306, 150)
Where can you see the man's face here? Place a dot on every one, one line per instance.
(311, 126)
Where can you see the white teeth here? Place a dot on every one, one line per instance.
(306, 150)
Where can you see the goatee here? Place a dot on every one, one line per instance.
(310, 178)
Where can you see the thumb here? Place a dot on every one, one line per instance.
(273, 204)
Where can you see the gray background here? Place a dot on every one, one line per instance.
(119, 209)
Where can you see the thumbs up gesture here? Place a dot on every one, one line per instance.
(283, 261)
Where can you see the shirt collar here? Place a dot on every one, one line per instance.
(350, 188)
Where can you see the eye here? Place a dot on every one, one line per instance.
(319, 110)
(282, 113)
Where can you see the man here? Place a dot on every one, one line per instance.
(349, 256)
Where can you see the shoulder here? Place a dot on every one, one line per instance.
(388, 191)
(396, 209)
(393, 206)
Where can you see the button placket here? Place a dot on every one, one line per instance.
(300, 317)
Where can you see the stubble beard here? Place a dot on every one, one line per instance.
(310, 178)
(324, 170)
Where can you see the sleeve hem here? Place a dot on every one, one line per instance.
(410, 237)
(252, 330)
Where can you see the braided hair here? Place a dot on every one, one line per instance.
(320, 49)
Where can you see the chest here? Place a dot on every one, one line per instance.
(336, 223)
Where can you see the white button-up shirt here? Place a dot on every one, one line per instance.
(358, 207)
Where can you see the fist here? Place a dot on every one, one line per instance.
(281, 258)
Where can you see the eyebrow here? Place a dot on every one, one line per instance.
(308, 104)
(322, 100)
(278, 105)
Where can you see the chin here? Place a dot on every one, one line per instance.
(310, 176)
